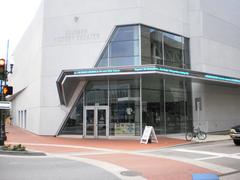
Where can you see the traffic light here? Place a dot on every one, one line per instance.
(2, 69)
(2, 65)
(7, 90)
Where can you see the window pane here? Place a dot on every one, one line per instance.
(173, 49)
(153, 103)
(103, 59)
(186, 54)
(124, 49)
(189, 113)
(96, 92)
(74, 124)
(175, 106)
(124, 107)
(125, 61)
(152, 52)
(126, 33)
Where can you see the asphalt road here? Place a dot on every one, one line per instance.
(49, 168)
(221, 155)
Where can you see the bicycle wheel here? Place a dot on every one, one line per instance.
(189, 136)
(202, 135)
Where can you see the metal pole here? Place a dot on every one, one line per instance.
(7, 54)
(198, 112)
(2, 123)
(1, 130)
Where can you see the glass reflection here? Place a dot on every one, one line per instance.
(96, 92)
(175, 106)
(126, 33)
(103, 62)
(173, 50)
(124, 107)
(90, 122)
(101, 117)
(123, 48)
(153, 103)
(152, 51)
(166, 105)
(74, 123)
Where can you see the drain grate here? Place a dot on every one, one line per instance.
(130, 173)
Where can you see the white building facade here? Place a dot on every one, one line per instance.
(108, 68)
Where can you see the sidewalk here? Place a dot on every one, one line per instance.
(210, 137)
(17, 135)
(121, 153)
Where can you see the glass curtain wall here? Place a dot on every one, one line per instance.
(187, 64)
(166, 104)
(122, 48)
(96, 92)
(188, 104)
(151, 46)
(124, 104)
(153, 103)
(175, 105)
(173, 50)
(159, 47)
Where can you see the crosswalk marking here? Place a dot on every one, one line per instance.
(213, 155)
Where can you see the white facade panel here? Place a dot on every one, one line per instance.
(171, 16)
(51, 119)
(220, 107)
(54, 8)
(220, 58)
(227, 11)
(26, 75)
(29, 100)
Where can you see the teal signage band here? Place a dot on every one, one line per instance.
(162, 70)
(97, 71)
(126, 70)
(222, 78)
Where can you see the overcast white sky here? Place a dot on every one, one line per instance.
(15, 16)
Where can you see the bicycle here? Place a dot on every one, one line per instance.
(201, 135)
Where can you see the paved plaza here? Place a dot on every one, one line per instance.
(116, 159)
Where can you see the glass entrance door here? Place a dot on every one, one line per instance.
(101, 122)
(90, 120)
(96, 121)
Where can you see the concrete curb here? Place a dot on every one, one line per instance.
(22, 153)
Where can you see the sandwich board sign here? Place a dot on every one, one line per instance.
(148, 133)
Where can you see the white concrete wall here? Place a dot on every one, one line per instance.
(220, 106)
(215, 36)
(168, 15)
(26, 73)
(215, 48)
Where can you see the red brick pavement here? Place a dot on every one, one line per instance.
(18, 135)
(150, 167)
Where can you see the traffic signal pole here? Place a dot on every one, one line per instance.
(2, 123)
(3, 136)
(5, 90)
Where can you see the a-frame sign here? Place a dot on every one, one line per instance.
(148, 134)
